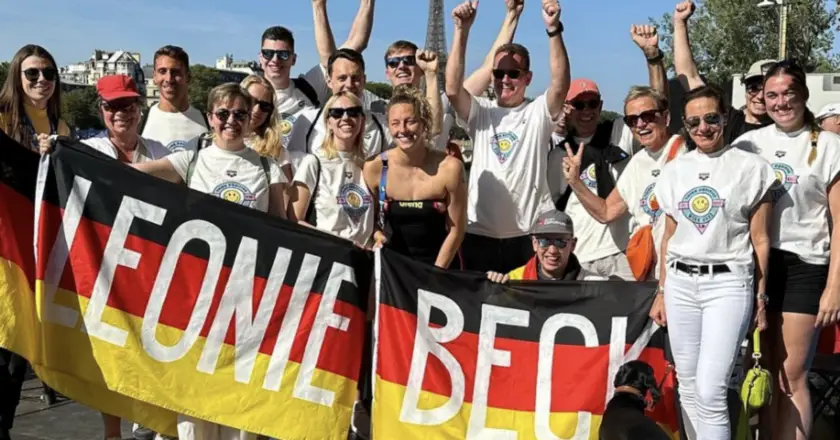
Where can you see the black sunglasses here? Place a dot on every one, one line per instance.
(709, 118)
(394, 62)
(754, 86)
(512, 73)
(283, 55)
(591, 104)
(646, 116)
(119, 105)
(32, 74)
(224, 114)
(559, 243)
(351, 112)
(265, 106)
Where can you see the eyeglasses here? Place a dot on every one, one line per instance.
(559, 243)
(591, 104)
(511, 73)
(646, 116)
(282, 55)
(714, 119)
(338, 112)
(33, 74)
(394, 62)
(224, 114)
(265, 106)
(119, 105)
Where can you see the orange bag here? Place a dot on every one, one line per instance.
(641, 251)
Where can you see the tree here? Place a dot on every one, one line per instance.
(203, 80)
(382, 90)
(79, 110)
(727, 36)
(4, 71)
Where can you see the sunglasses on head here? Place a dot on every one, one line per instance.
(591, 104)
(646, 116)
(351, 112)
(559, 243)
(224, 114)
(32, 74)
(511, 73)
(119, 105)
(282, 55)
(693, 122)
(265, 106)
(394, 62)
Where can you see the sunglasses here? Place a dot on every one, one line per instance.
(512, 73)
(559, 243)
(338, 112)
(265, 106)
(119, 105)
(754, 87)
(591, 105)
(646, 116)
(33, 74)
(224, 114)
(282, 55)
(693, 122)
(408, 60)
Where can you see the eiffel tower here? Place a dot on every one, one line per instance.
(436, 37)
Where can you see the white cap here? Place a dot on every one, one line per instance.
(758, 69)
(829, 110)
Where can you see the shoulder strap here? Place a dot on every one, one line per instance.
(206, 122)
(675, 148)
(561, 203)
(312, 127)
(383, 183)
(143, 119)
(203, 140)
(311, 212)
(266, 169)
(382, 146)
(303, 85)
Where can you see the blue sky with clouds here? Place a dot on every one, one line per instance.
(597, 32)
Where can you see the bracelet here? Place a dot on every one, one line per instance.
(555, 32)
(660, 290)
(763, 297)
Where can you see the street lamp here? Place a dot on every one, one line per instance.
(783, 15)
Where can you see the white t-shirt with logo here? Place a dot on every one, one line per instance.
(343, 204)
(712, 197)
(173, 130)
(801, 215)
(235, 176)
(636, 187)
(291, 101)
(146, 151)
(508, 188)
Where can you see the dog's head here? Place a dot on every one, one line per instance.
(638, 375)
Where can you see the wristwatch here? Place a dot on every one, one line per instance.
(658, 57)
(555, 32)
(763, 297)
(660, 290)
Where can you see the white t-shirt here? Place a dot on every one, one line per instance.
(173, 130)
(343, 204)
(290, 102)
(800, 196)
(712, 197)
(636, 187)
(146, 151)
(235, 176)
(508, 188)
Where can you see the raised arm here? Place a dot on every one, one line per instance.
(324, 40)
(646, 37)
(361, 28)
(684, 64)
(428, 62)
(479, 80)
(558, 59)
(463, 17)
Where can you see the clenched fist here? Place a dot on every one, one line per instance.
(551, 13)
(515, 6)
(683, 11)
(427, 61)
(646, 37)
(464, 14)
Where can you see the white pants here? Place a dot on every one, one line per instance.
(613, 267)
(708, 317)
(194, 429)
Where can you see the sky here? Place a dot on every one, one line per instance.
(597, 38)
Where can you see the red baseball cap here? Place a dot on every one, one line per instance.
(113, 87)
(581, 86)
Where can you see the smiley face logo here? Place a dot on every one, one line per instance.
(785, 179)
(700, 206)
(353, 200)
(588, 177)
(235, 192)
(504, 144)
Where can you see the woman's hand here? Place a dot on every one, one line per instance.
(829, 313)
(379, 240)
(497, 277)
(45, 143)
(760, 315)
(657, 311)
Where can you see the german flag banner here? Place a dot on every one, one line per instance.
(457, 356)
(152, 300)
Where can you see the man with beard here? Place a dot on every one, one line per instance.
(277, 57)
(401, 67)
(738, 122)
(507, 189)
(173, 121)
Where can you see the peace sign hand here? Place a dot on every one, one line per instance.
(571, 164)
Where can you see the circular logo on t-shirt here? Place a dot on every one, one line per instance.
(354, 200)
(700, 206)
(588, 177)
(287, 122)
(176, 146)
(235, 192)
(503, 145)
(785, 179)
(649, 203)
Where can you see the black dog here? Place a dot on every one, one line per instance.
(624, 418)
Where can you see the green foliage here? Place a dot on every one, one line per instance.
(727, 36)
(607, 115)
(79, 110)
(203, 80)
(4, 71)
(382, 90)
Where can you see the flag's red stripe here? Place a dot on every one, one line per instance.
(132, 288)
(579, 373)
(16, 229)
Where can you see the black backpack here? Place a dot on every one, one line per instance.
(307, 90)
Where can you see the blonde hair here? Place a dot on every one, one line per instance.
(228, 92)
(637, 92)
(328, 149)
(265, 139)
(406, 94)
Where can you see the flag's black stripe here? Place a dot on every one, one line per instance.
(598, 301)
(112, 181)
(18, 166)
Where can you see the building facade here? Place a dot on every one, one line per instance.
(103, 63)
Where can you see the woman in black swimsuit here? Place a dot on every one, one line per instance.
(422, 192)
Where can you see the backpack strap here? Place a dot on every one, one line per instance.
(303, 85)
(383, 183)
(266, 169)
(203, 141)
(312, 128)
(206, 122)
(143, 119)
(675, 148)
(382, 146)
(311, 212)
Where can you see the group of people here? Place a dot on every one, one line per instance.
(733, 216)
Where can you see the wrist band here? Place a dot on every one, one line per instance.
(555, 32)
